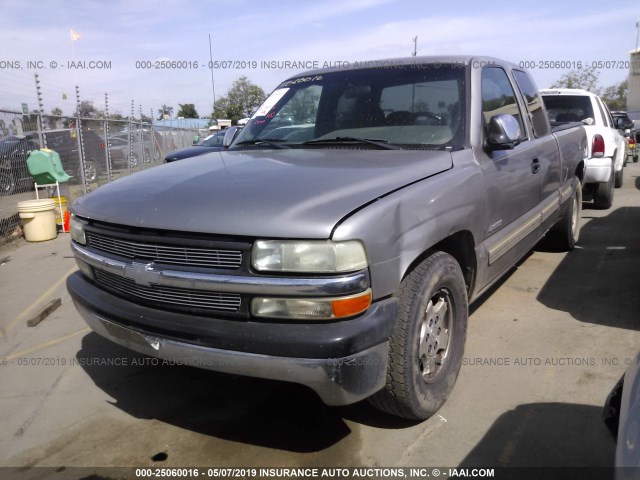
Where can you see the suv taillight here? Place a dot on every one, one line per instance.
(597, 147)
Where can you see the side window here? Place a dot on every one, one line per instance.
(530, 93)
(603, 115)
(609, 116)
(498, 96)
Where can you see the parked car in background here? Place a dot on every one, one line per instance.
(606, 146)
(345, 260)
(621, 414)
(14, 175)
(625, 125)
(65, 142)
(212, 143)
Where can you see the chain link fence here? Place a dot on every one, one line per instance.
(93, 151)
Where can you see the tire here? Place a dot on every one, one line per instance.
(619, 178)
(603, 193)
(7, 182)
(635, 159)
(421, 371)
(566, 232)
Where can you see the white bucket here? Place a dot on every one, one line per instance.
(38, 219)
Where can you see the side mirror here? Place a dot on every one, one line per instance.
(230, 135)
(504, 132)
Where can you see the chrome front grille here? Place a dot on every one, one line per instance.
(168, 254)
(180, 297)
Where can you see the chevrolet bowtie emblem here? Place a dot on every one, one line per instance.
(142, 273)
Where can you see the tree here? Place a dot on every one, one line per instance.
(165, 110)
(145, 119)
(86, 110)
(187, 110)
(241, 100)
(615, 96)
(586, 79)
(57, 112)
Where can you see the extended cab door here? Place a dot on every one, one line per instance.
(552, 179)
(512, 179)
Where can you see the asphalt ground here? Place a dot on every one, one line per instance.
(544, 348)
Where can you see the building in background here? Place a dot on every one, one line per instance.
(633, 93)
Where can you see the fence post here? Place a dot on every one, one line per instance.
(107, 150)
(141, 144)
(153, 139)
(130, 139)
(83, 166)
(40, 127)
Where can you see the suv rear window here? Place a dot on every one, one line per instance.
(568, 108)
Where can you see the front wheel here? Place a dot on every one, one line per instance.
(427, 343)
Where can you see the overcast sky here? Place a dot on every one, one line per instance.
(124, 32)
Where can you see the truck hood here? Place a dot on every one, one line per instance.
(191, 152)
(259, 193)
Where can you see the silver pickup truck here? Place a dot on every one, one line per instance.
(338, 241)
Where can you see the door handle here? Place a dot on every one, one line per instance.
(535, 166)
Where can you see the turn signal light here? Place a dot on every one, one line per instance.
(348, 307)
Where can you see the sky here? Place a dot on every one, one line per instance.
(121, 37)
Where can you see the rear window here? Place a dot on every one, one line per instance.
(534, 103)
(568, 108)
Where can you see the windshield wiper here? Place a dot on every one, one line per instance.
(381, 144)
(272, 142)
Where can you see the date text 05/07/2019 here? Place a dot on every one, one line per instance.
(579, 64)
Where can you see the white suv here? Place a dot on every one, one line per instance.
(605, 159)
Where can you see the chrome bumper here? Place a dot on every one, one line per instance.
(146, 274)
(337, 381)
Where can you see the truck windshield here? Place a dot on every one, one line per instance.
(568, 108)
(410, 106)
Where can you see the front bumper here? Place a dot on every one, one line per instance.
(597, 170)
(343, 362)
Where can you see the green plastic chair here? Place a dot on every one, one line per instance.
(45, 167)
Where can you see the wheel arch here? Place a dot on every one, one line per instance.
(461, 247)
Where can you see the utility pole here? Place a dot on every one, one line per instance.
(415, 46)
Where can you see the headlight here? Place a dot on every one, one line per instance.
(308, 256)
(77, 230)
(311, 308)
